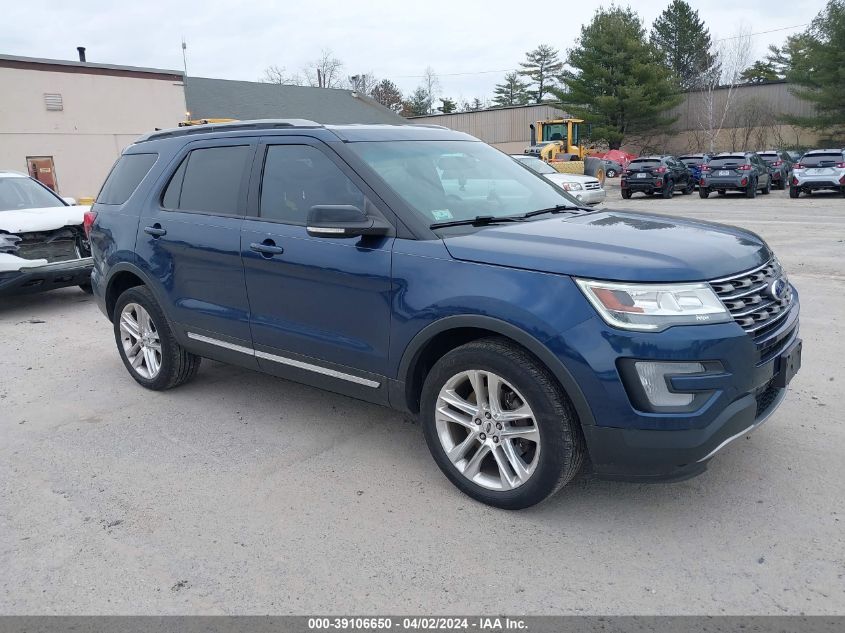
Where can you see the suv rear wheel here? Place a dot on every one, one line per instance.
(499, 426)
(768, 188)
(794, 192)
(146, 344)
(703, 192)
(751, 189)
(668, 189)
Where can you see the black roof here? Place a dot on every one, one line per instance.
(250, 100)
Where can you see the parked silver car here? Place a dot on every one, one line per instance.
(585, 189)
(819, 169)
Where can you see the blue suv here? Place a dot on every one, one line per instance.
(419, 268)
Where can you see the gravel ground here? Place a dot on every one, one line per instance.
(242, 493)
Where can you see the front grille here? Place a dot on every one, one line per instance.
(749, 299)
(593, 185)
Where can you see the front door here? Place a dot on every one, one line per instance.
(189, 242)
(320, 306)
(43, 170)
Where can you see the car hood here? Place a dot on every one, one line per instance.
(616, 245)
(41, 219)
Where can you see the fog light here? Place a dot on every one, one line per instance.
(653, 379)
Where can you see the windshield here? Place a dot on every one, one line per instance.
(535, 164)
(445, 181)
(25, 193)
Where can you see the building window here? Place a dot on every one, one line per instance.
(53, 101)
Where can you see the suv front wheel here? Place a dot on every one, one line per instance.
(146, 344)
(499, 426)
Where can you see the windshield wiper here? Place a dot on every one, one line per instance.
(479, 220)
(558, 208)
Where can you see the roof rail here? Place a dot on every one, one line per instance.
(261, 124)
(431, 125)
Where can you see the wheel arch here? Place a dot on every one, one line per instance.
(122, 277)
(440, 337)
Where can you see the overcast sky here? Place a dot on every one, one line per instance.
(397, 40)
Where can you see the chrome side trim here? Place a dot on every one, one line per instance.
(317, 369)
(750, 429)
(219, 343)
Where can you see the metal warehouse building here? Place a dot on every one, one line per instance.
(504, 128)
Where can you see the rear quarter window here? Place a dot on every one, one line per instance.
(124, 178)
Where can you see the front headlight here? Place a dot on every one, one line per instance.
(572, 186)
(654, 306)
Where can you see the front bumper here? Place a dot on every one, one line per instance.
(627, 442)
(47, 277)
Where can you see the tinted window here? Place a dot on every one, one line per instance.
(770, 157)
(821, 159)
(125, 177)
(298, 177)
(692, 160)
(644, 162)
(209, 180)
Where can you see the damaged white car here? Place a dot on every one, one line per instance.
(42, 239)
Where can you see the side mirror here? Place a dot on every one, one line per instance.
(343, 220)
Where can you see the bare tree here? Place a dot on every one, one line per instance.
(431, 85)
(325, 72)
(278, 75)
(718, 83)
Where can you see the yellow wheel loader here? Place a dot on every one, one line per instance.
(559, 142)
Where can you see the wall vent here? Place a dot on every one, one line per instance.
(53, 101)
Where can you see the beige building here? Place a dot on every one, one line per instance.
(745, 117)
(66, 122)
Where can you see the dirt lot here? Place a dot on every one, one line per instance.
(241, 493)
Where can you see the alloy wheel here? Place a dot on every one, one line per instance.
(140, 341)
(487, 430)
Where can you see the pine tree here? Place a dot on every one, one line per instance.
(513, 91)
(683, 43)
(417, 103)
(817, 69)
(760, 72)
(618, 83)
(542, 66)
(447, 105)
(388, 94)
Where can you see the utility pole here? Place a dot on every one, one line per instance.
(319, 79)
(185, 76)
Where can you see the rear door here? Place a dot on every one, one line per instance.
(320, 306)
(189, 240)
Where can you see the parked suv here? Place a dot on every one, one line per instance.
(735, 172)
(656, 175)
(780, 166)
(694, 163)
(419, 268)
(819, 169)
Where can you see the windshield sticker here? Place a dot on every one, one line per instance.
(442, 214)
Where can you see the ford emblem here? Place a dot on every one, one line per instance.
(779, 289)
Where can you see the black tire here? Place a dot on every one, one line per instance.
(842, 191)
(88, 289)
(751, 190)
(626, 193)
(703, 192)
(689, 188)
(611, 173)
(782, 183)
(562, 444)
(794, 192)
(768, 188)
(178, 366)
(668, 190)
